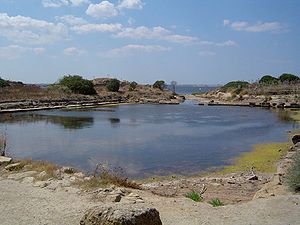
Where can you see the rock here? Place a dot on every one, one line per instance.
(13, 166)
(28, 180)
(42, 174)
(4, 159)
(296, 139)
(41, 184)
(114, 198)
(19, 176)
(253, 177)
(119, 215)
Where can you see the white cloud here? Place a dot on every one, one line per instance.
(73, 51)
(133, 49)
(131, 4)
(71, 20)
(206, 53)
(31, 31)
(274, 27)
(60, 3)
(104, 9)
(90, 27)
(16, 51)
(226, 43)
(155, 33)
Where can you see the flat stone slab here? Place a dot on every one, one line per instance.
(19, 176)
(4, 159)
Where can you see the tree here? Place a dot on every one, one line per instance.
(3, 83)
(235, 85)
(173, 86)
(268, 79)
(289, 78)
(113, 85)
(132, 86)
(78, 85)
(160, 84)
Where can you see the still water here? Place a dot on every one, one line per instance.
(145, 140)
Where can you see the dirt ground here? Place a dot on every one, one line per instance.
(23, 204)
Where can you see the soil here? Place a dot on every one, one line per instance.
(23, 204)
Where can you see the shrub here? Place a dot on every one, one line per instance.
(289, 78)
(160, 84)
(268, 79)
(235, 85)
(293, 175)
(132, 86)
(113, 85)
(194, 196)
(3, 83)
(78, 85)
(215, 202)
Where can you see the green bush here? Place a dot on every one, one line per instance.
(289, 78)
(293, 175)
(113, 85)
(268, 79)
(3, 83)
(132, 86)
(160, 84)
(78, 85)
(215, 202)
(194, 196)
(235, 85)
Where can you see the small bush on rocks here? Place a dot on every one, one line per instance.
(194, 196)
(215, 202)
(78, 85)
(113, 85)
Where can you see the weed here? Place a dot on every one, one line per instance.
(104, 176)
(215, 202)
(194, 196)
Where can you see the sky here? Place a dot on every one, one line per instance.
(191, 42)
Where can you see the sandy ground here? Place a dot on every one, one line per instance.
(22, 203)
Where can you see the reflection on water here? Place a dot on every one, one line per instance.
(65, 122)
(145, 140)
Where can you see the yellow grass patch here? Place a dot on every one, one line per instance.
(263, 158)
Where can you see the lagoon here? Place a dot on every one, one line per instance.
(144, 140)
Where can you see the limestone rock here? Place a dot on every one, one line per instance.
(119, 215)
(13, 166)
(4, 159)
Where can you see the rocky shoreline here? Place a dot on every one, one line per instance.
(218, 98)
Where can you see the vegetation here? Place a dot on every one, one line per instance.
(3, 83)
(194, 196)
(215, 202)
(113, 85)
(78, 85)
(160, 84)
(104, 176)
(263, 158)
(293, 176)
(268, 79)
(132, 86)
(235, 85)
(289, 78)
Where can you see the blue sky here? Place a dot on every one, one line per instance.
(194, 41)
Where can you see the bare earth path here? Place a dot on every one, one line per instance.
(24, 204)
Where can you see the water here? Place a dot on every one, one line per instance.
(145, 140)
(190, 89)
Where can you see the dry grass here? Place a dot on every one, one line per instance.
(104, 177)
(39, 166)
